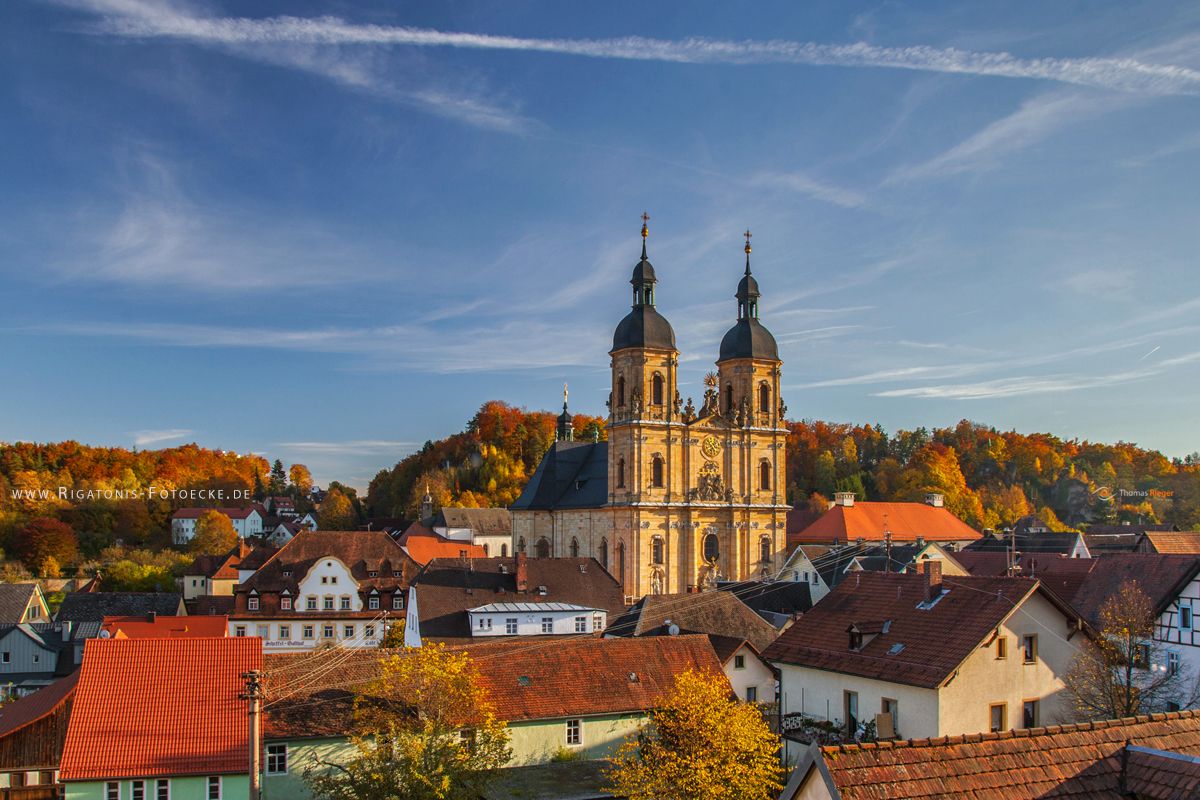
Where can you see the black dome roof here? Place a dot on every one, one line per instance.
(749, 339)
(747, 286)
(644, 327)
(643, 273)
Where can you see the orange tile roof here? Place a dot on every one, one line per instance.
(160, 707)
(1180, 542)
(424, 545)
(866, 520)
(1070, 761)
(560, 677)
(166, 627)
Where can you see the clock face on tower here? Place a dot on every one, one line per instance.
(710, 447)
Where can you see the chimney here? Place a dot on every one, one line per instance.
(845, 499)
(151, 616)
(935, 499)
(933, 578)
(522, 573)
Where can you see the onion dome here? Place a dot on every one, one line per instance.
(643, 326)
(749, 338)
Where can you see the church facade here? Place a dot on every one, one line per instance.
(680, 496)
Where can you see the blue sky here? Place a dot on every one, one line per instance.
(328, 232)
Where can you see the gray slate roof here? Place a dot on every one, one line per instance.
(571, 475)
(95, 606)
(14, 599)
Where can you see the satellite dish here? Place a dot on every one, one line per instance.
(105, 634)
(673, 629)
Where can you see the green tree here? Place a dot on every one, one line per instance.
(426, 730)
(825, 478)
(278, 481)
(215, 534)
(700, 744)
(336, 513)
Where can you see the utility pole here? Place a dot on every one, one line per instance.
(887, 538)
(254, 693)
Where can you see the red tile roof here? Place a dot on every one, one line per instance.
(425, 545)
(526, 680)
(720, 613)
(32, 707)
(166, 627)
(1072, 761)
(160, 707)
(1180, 542)
(935, 640)
(866, 520)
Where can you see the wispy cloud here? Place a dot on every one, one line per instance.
(319, 56)
(148, 437)
(352, 447)
(1035, 120)
(1100, 282)
(800, 183)
(1017, 386)
(136, 19)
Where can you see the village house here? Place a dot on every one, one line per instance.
(152, 626)
(182, 734)
(246, 521)
(22, 602)
(1032, 540)
(823, 567)
(851, 521)
(324, 587)
(214, 575)
(1154, 757)
(32, 732)
(917, 655)
(33, 655)
(580, 697)
(488, 528)
(423, 544)
(460, 599)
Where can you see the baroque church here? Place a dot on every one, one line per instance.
(679, 497)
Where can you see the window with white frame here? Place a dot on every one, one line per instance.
(162, 789)
(239, 630)
(348, 631)
(581, 624)
(1185, 616)
(277, 759)
(327, 631)
(137, 791)
(345, 602)
(1172, 663)
(285, 631)
(485, 623)
(214, 787)
(510, 626)
(547, 624)
(308, 631)
(369, 631)
(574, 731)
(285, 604)
(112, 790)
(252, 604)
(311, 604)
(397, 602)
(328, 604)
(373, 603)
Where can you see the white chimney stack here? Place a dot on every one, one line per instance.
(935, 499)
(845, 499)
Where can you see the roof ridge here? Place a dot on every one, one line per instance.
(1043, 730)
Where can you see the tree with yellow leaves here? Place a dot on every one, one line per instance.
(426, 730)
(701, 744)
(214, 535)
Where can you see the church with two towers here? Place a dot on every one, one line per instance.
(682, 495)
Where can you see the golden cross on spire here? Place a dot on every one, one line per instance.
(747, 234)
(645, 230)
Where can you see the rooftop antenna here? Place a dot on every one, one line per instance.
(887, 540)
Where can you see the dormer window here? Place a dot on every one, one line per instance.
(396, 573)
(856, 640)
(285, 604)
(287, 573)
(373, 573)
(252, 604)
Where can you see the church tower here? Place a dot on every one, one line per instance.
(642, 407)
(748, 375)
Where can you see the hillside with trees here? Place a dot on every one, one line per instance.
(65, 504)
(989, 477)
(487, 465)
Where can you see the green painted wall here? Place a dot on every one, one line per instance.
(536, 741)
(233, 787)
(303, 753)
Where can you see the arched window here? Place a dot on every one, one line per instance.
(603, 555)
(712, 547)
(656, 389)
(543, 548)
(764, 475)
(621, 392)
(521, 545)
(764, 549)
(764, 398)
(485, 550)
(656, 472)
(504, 551)
(574, 547)
(621, 563)
(656, 550)
(621, 473)
(728, 397)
